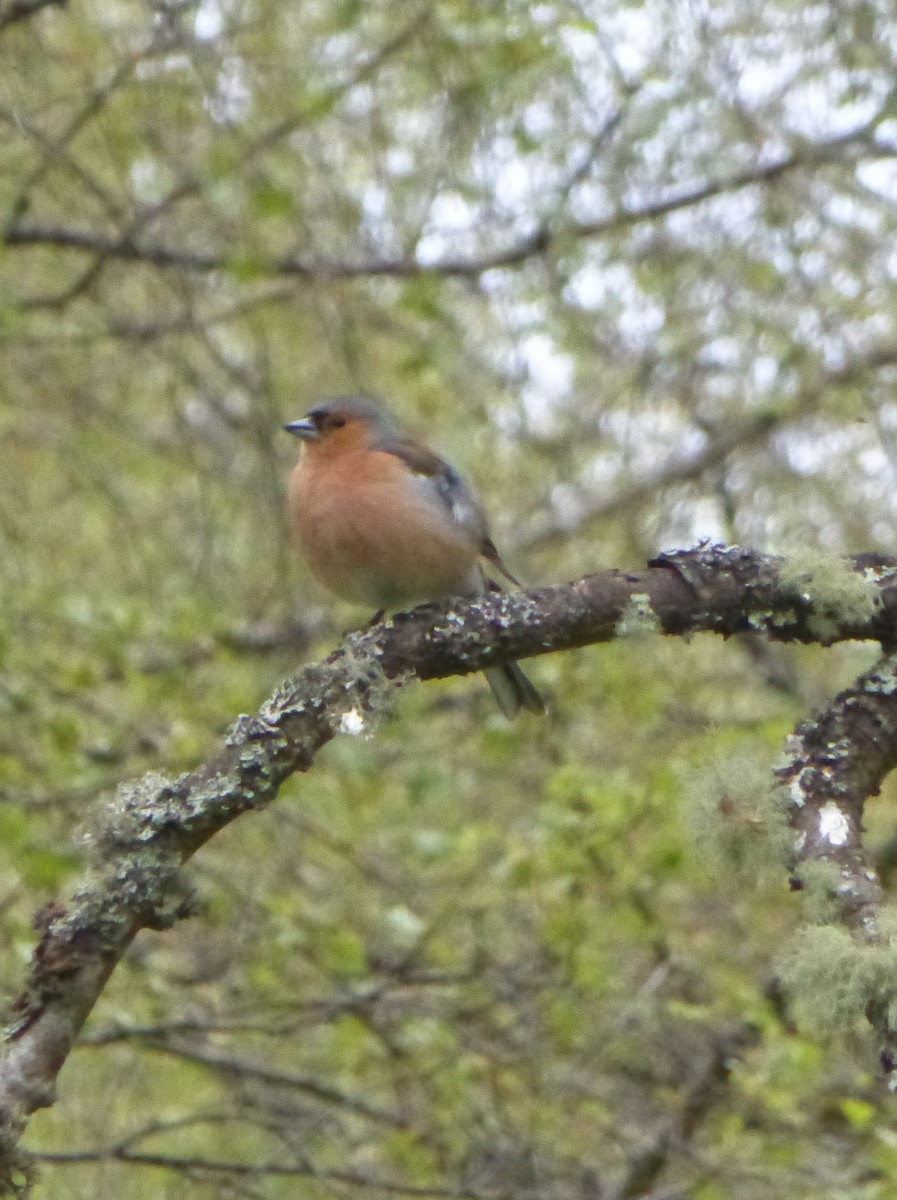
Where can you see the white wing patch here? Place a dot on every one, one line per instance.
(466, 514)
(449, 492)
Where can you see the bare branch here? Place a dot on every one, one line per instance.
(735, 436)
(704, 1092)
(22, 10)
(126, 247)
(828, 781)
(226, 1064)
(259, 1170)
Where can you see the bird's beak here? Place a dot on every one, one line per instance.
(303, 429)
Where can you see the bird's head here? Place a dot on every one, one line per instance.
(342, 423)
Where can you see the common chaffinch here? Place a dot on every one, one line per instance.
(383, 520)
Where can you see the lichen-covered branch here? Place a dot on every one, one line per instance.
(152, 826)
(835, 762)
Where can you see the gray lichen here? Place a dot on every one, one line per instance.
(820, 884)
(882, 681)
(834, 979)
(361, 687)
(638, 618)
(837, 595)
(738, 814)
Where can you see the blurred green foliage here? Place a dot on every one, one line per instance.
(464, 956)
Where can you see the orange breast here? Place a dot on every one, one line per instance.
(372, 534)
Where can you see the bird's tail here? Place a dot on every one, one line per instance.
(513, 691)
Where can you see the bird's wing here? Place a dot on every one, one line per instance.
(449, 488)
(443, 484)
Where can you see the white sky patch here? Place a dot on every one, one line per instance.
(399, 161)
(833, 825)
(514, 183)
(765, 371)
(550, 369)
(720, 352)
(879, 177)
(450, 216)
(734, 213)
(233, 97)
(611, 287)
(549, 378)
(352, 723)
(846, 211)
(209, 21)
(360, 100)
(639, 325)
(887, 417)
(813, 109)
(814, 453)
(631, 31)
(146, 180)
(377, 219)
(653, 437)
(874, 462)
(337, 48)
(815, 265)
(543, 14)
(705, 519)
(589, 286)
(538, 120)
(759, 82)
(374, 200)
(845, 283)
(566, 505)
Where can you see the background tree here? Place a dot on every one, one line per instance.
(632, 269)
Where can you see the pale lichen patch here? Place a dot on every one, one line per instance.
(352, 723)
(837, 595)
(738, 814)
(835, 980)
(833, 824)
(796, 790)
(638, 618)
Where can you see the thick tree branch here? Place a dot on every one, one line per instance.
(154, 825)
(836, 762)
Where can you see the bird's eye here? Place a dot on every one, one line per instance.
(336, 422)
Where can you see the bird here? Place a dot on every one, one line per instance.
(384, 521)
